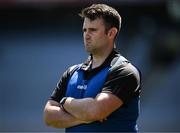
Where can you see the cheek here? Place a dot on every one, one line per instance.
(98, 36)
(101, 37)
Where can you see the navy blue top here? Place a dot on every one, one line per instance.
(117, 76)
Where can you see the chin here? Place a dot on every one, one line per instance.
(88, 50)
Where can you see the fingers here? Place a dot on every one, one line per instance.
(103, 120)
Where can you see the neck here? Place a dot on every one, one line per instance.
(100, 57)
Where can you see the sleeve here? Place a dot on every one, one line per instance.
(60, 89)
(123, 81)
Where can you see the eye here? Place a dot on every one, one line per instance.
(84, 30)
(93, 29)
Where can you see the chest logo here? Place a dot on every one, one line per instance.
(82, 87)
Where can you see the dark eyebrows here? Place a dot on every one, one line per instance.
(90, 29)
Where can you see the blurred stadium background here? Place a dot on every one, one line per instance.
(39, 39)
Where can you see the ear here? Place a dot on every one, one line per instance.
(112, 32)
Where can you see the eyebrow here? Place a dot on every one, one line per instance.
(91, 29)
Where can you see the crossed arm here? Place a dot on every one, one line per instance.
(79, 111)
(56, 117)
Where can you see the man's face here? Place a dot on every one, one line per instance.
(95, 37)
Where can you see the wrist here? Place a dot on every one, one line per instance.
(62, 102)
(65, 101)
(68, 104)
(69, 100)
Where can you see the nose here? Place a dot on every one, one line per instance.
(87, 35)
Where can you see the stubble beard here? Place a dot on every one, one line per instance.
(88, 47)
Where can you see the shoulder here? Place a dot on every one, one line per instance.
(123, 67)
(123, 79)
(72, 69)
(68, 73)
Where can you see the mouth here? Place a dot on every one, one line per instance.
(87, 42)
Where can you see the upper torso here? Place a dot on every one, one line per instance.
(117, 76)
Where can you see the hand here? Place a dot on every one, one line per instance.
(87, 122)
(103, 120)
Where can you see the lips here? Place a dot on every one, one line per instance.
(87, 41)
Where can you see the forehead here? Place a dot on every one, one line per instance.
(93, 23)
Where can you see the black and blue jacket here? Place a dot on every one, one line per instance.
(117, 76)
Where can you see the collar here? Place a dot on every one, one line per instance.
(88, 63)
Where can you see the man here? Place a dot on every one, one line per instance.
(101, 94)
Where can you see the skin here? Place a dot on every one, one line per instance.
(57, 117)
(96, 41)
(78, 111)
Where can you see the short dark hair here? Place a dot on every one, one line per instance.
(110, 16)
